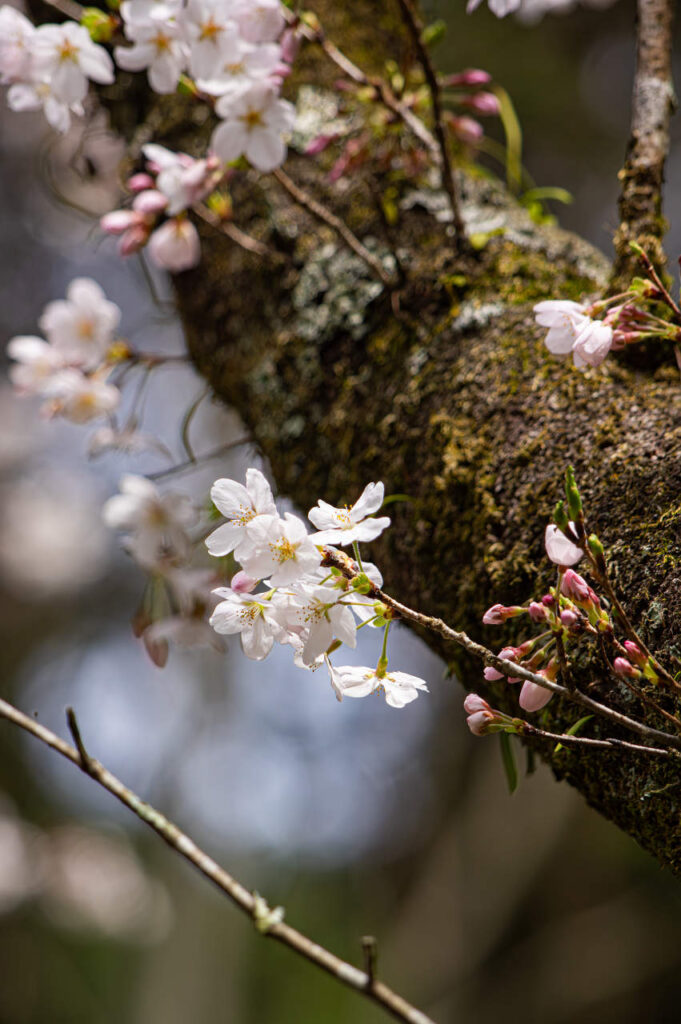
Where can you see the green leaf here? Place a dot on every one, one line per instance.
(544, 192)
(391, 498)
(508, 761)
(573, 730)
(433, 34)
(514, 140)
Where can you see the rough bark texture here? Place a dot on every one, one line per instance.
(642, 176)
(450, 399)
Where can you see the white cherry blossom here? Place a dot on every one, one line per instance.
(400, 688)
(317, 615)
(65, 56)
(78, 398)
(260, 21)
(560, 550)
(564, 319)
(241, 505)
(37, 363)
(175, 246)
(592, 344)
(16, 36)
(156, 522)
(499, 7)
(242, 65)
(252, 616)
(281, 549)
(25, 96)
(254, 127)
(81, 327)
(144, 11)
(346, 525)
(157, 48)
(181, 179)
(212, 33)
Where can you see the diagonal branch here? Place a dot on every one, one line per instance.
(640, 202)
(246, 901)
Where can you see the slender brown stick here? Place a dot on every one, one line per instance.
(243, 240)
(640, 203)
(415, 26)
(344, 972)
(383, 90)
(316, 208)
(69, 8)
(584, 741)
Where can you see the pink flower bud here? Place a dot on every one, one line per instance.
(290, 44)
(319, 144)
(140, 182)
(151, 201)
(569, 617)
(467, 129)
(471, 76)
(478, 723)
(473, 703)
(635, 653)
(133, 240)
(538, 611)
(242, 583)
(484, 104)
(625, 669)
(575, 587)
(548, 600)
(499, 613)
(491, 674)
(533, 697)
(118, 221)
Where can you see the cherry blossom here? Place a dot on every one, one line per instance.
(346, 525)
(533, 697)
(400, 688)
(79, 398)
(317, 613)
(81, 327)
(157, 48)
(243, 65)
(480, 714)
(36, 95)
(571, 330)
(560, 550)
(281, 549)
(241, 505)
(67, 57)
(16, 37)
(255, 123)
(175, 246)
(252, 616)
(499, 7)
(592, 344)
(155, 522)
(37, 363)
(260, 21)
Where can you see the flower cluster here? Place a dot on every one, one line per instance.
(49, 67)
(572, 330)
(303, 604)
(156, 530)
(69, 367)
(465, 90)
(236, 51)
(171, 184)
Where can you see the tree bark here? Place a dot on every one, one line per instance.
(450, 398)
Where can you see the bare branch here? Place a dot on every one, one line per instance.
(318, 210)
(640, 203)
(344, 972)
(415, 27)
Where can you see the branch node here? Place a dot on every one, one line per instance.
(370, 951)
(86, 762)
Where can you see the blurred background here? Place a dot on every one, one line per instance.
(359, 819)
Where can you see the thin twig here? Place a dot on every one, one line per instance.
(415, 26)
(640, 203)
(344, 972)
(583, 741)
(242, 239)
(69, 8)
(182, 467)
(385, 93)
(320, 211)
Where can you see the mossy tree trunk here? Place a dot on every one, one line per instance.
(446, 393)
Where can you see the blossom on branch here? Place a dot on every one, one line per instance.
(346, 525)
